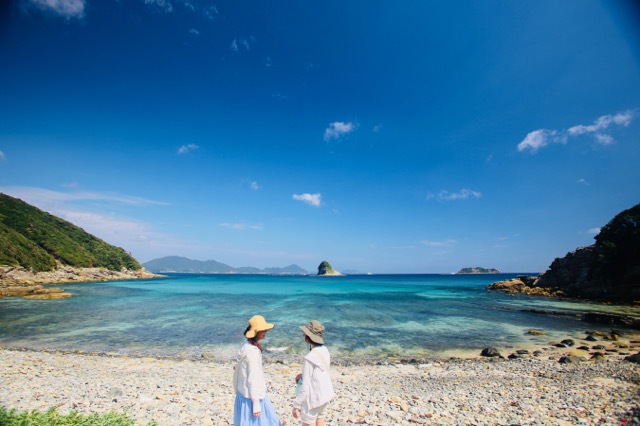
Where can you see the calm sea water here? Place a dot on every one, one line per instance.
(365, 316)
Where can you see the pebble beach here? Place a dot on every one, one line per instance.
(533, 389)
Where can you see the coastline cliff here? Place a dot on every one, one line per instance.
(38, 248)
(606, 271)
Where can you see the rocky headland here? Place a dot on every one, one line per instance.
(606, 271)
(20, 282)
(37, 248)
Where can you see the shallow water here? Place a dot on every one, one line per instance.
(365, 315)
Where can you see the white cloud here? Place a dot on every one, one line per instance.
(240, 226)
(185, 149)
(539, 138)
(162, 5)
(237, 43)
(583, 181)
(44, 198)
(210, 12)
(311, 199)
(604, 139)
(463, 194)
(2, 156)
(255, 186)
(543, 137)
(66, 8)
(338, 129)
(440, 244)
(602, 123)
(593, 231)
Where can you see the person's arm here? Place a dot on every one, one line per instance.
(307, 373)
(254, 371)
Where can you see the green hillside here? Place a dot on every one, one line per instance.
(34, 239)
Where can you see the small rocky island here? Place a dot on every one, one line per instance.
(477, 270)
(326, 270)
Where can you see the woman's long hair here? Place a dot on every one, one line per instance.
(253, 340)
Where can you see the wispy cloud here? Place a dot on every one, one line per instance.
(185, 149)
(239, 44)
(312, 199)
(162, 5)
(65, 8)
(440, 244)
(2, 156)
(583, 181)
(211, 12)
(46, 197)
(338, 129)
(255, 186)
(240, 226)
(542, 137)
(539, 138)
(97, 213)
(463, 194)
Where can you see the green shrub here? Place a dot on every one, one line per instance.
(52, 418)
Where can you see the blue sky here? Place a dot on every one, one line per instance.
(383, 137)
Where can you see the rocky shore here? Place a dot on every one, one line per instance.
(564, 383)
(20, 282)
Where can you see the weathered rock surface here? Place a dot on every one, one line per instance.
(525, 285)
(19, 282)
(325, 269)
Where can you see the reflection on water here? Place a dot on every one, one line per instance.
(373, 316)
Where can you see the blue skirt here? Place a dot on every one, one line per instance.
(243, 413)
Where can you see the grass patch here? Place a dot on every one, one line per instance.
(52, 418)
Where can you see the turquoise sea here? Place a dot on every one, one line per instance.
(368, 316)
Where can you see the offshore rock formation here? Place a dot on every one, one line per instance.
(325, 269)
(478, 270)
(607, 271)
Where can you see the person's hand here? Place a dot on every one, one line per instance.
(256, 414)
(295, 413)
(298, 377)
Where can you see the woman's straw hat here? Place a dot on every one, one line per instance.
(257, 323)
(314, 330)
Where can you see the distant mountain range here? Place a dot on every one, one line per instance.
(183, 265)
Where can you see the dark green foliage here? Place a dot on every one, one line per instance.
(52, 418)
(607, 270)
(478, 270)
(324, 267)
(34, 239)
(618, 251)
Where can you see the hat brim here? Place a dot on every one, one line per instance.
(252, 333)
(314, 337)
